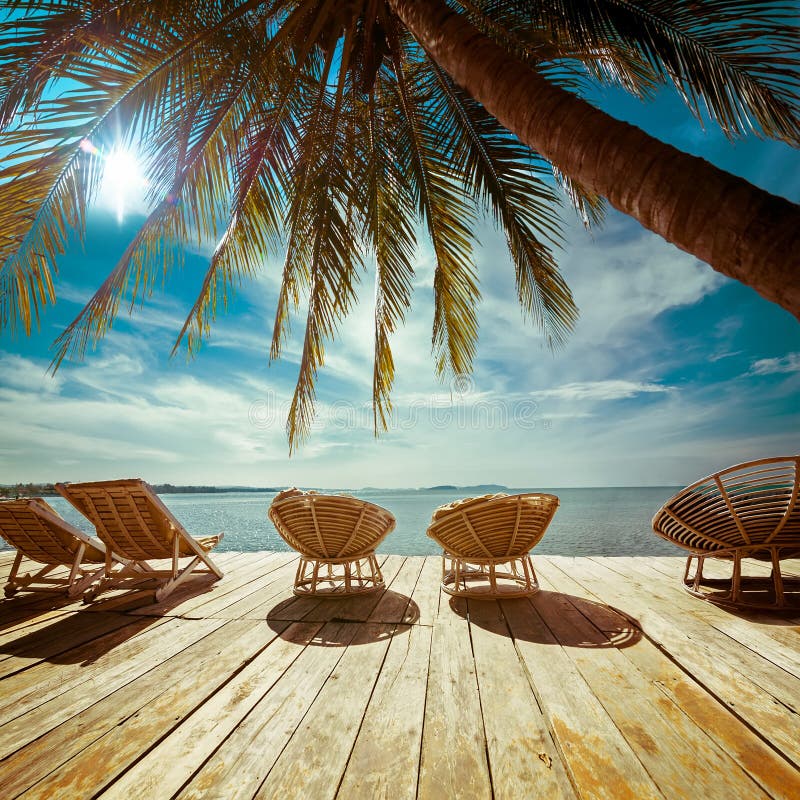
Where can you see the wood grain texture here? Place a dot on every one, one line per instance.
(611, 682)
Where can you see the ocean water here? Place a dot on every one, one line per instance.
(608, 522)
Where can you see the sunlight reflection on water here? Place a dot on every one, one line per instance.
(611, 522)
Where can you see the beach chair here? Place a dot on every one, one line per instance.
(39, 533)
(486, 543)
(336, 536)
(133, 522)
(751, 511)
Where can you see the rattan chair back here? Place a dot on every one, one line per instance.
(321, 526)
(749, 505)
(493, 526)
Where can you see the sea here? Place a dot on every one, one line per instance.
(602, 521)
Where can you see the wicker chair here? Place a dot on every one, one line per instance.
(486, 539)
(336, 536)
(750, 510)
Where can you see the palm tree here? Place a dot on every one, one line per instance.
(326, 129)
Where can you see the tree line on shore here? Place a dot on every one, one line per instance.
(49, 490)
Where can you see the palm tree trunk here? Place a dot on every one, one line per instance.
(737, 228)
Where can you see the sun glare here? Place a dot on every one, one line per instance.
(123, 182)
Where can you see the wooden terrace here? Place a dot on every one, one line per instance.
(610, 683)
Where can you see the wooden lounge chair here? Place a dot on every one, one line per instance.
(133, 522)
(750, 510)
(39, 533)
(486, 539)
(336, 536)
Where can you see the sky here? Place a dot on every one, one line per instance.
(672, 372)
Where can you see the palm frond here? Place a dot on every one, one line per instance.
(333, 276)
(504, 175)
(389, 207)
(591, 207)
(448, 216)
(737, 62)
(305, 158)
(560, 59)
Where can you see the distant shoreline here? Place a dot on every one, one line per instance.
(48, 489)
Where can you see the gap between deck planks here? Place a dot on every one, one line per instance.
(610, 683)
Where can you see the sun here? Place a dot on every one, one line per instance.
(123, 181)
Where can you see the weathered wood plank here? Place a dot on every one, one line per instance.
(385, 759)
(315, 758)
(525, 698)
(32, 687)
(110, 671)
(730, 683)
(172, 763)
(523, 758)
(427, 591)
(780, 683)
(238, 767)
(22, 649)
(596, 755)
(185, 602)
(453, 761)
(89, 750)
(396, 605)
(771, 771)
(744, 631)
(676, 753)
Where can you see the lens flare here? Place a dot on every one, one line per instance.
(123, 181)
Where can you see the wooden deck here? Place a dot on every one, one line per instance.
(612, 682)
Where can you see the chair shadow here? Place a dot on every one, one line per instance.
(343, 621)
(758, 598)
(74, 639)
(136, 598)
(526, 619)
(25, 607)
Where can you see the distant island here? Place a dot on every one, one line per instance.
(481, 487)
(49, 489)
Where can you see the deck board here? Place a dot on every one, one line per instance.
(612, 682)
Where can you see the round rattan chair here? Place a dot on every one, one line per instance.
(487, 542)
(336, 536)
(750, 510)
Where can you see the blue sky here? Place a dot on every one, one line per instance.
(673, 371)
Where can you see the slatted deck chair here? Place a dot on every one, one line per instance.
(487, 540)
(131, 519)
(336, 536)
(750, 510)
(39, 533)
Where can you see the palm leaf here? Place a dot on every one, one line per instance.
(448, 216)
(737, 62)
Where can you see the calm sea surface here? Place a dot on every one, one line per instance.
(610, 522)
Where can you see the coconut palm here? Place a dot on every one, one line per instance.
(334, 131)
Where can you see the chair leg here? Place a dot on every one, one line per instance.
(777, 579)
(736, 580)
(11, 586)
(79, 587)
(76, 565)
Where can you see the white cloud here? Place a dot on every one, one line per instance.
(602, 390)
(771, 366)
(23, 373)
